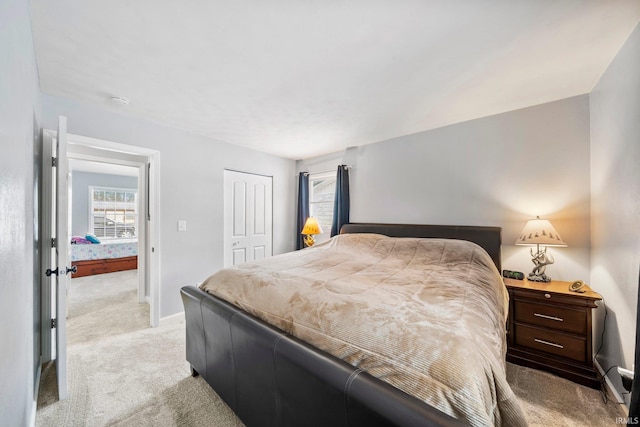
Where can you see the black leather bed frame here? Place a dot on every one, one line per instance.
(269, 378)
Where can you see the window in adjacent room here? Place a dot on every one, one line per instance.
(113, 212)
(322, 189)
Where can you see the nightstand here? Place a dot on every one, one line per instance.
(549, 328)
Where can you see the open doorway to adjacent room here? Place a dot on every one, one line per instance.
(116, 198)
(107, 294)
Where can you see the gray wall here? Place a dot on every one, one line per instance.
(20, 112)
(191, 184)
(80, 183)
(500, 171)
(615, 201)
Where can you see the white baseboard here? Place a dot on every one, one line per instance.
(147, 299)
(619, 399)
(167, 318)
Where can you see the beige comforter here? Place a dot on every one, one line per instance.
(425, 315)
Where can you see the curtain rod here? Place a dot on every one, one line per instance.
(318, 173)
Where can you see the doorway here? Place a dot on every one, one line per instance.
(104, 204)
(107, 205)
(147, 163)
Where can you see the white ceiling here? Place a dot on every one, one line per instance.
(304, 78)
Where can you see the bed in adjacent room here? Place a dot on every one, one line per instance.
(365, 329)
(104, 257)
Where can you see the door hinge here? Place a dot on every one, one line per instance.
(53, 323)
(54, 243)
(54, 162)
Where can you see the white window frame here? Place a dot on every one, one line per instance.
(93, 188)
(326, 233)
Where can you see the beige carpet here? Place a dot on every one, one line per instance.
(124, 373)
(551, 401)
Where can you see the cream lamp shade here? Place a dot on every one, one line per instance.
(310, 228)
(540, 232)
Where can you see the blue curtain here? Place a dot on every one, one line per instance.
(303, 207)
(341, 203)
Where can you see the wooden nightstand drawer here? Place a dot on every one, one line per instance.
(571, 347)
(561, 318)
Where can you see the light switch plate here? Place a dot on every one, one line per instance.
(182, 225)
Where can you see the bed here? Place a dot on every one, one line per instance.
(287, 362)
(104, 257)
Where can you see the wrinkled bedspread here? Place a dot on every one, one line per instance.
(425, 315)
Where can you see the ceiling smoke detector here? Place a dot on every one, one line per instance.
(119, 101)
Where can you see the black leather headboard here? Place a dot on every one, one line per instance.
(489, 238)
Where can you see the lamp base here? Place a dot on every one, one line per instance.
(538, 277)
(540, 259)
(309, 240)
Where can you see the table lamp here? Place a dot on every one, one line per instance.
(540, 232)
(311, 227)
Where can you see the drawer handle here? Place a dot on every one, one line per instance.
(548, 343)
(558, 319)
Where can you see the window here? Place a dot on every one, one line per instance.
(113, 212)
(322, 189)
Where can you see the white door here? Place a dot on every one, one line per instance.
(56, 264)
(247, 217)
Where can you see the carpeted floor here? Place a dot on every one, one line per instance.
(551, 401)
(124, 373)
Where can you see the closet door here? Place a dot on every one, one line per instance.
(248, 201)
